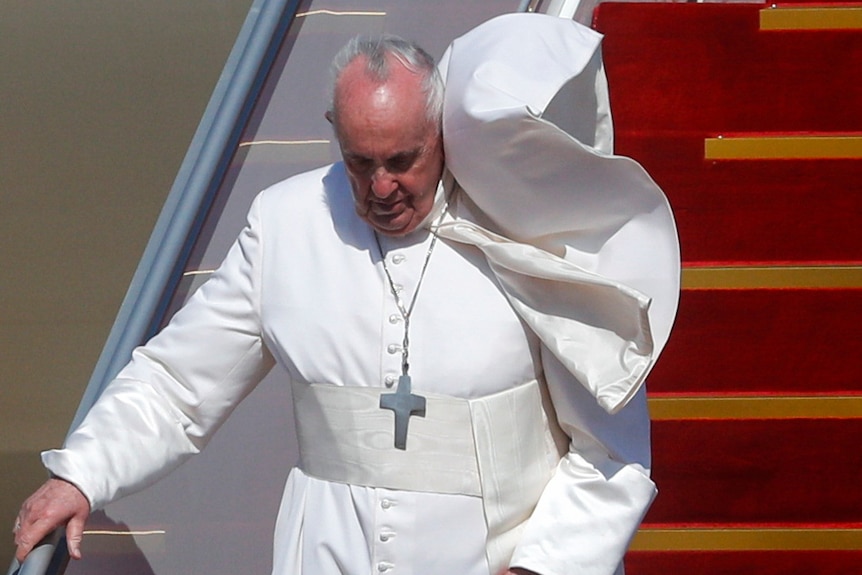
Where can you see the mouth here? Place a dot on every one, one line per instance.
(387, 209)
(391, 218)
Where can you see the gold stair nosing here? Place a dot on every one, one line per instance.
(759, 407)
(811, 18)
(747, 539)
(772, 277)
(795, 147)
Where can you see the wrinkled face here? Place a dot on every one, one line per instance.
(393, 154)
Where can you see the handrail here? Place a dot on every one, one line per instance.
(197, 180)
(194, 186)
(49, 556)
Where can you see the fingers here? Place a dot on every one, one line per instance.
(26, 538)
(53, 505)
(28, 535)
(74, 536)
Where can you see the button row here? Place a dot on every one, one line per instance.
(385, 535)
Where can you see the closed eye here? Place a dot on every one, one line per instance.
(400, 163)
(358, 164)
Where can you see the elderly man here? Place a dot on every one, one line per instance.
(432, 385)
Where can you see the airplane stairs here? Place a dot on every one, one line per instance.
(750, 118)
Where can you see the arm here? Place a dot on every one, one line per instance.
(166, 404)
(595, 501)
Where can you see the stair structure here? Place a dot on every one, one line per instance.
(750, 118)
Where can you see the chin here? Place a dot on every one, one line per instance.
(395, 227)
(394, 232)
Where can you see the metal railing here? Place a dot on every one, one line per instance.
(49, 556)
(163, 260)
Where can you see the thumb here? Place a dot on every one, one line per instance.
(74, 536)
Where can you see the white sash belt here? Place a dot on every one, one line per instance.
(499, 447)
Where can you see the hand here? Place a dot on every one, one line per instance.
(56, 503)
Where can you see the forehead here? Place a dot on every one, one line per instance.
(390, 112)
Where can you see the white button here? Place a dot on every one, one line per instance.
(383, 567)
(389, 380)
(386, 504)
(398, 258)
(393, 348)
(394, 318)
(384, 537)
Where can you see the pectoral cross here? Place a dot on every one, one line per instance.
(404, 404)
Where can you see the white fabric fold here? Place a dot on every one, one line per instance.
(596, 327)
(516, 457)
(583, 242)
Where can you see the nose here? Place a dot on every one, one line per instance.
(383, 183)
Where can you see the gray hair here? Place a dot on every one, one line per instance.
(375, 49)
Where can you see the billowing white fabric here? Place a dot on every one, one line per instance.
(304, 286)
(598, 328)
(585, 243)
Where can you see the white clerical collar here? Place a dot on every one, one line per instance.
(441, 197)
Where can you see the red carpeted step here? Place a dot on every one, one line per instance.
(755, 211)
(771, 341)
(743, 563)
(678, 74)
(681, 73)
(756, 471)
(697, 68)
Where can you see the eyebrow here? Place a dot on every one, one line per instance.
(406, 154)
(403, 155)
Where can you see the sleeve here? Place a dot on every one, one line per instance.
(600, 491)
(178, 389)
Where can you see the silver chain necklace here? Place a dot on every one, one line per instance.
(403, 402)
(406, 311)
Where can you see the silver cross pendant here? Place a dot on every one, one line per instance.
(404, 404)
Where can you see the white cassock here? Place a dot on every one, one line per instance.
(304, 286)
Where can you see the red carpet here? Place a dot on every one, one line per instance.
(772, 341)
(683, 72)
(776, 472)
(761, 495)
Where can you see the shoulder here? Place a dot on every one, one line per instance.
(307, 207)
(319, 194)
(305, 189)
